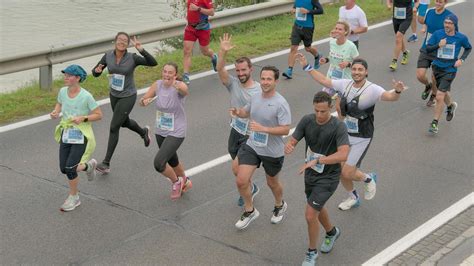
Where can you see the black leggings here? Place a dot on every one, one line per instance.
(69, 157)
(122, 108)
(167, 153)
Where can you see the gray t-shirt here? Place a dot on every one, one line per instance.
(269, 112)
(367, 99)
(170, 115)
(322, 140)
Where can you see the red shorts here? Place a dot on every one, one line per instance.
(191, 34)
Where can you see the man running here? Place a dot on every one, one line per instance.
(358, 100)
(303, 30)
(270, 120)
(241, 88)
(327, 146)
(356, 18)
(433, 21)
(419, 13)
(447, 43)
(198, 28)
(414, 37)
(402, 15)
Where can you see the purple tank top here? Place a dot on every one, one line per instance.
(170, 115)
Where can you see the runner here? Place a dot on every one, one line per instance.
(303, 30)
(327, 146)
(198, 28)
(358, 100)
(447, 42)
(270, 120)
(74, 133)
(402, 15)
(419, 14)
(356, 18)
(169, 94)
(123, 94)
(433, 21)
(414, 37)
(240, 88)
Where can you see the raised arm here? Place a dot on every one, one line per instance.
(225, 46)
(318, 76)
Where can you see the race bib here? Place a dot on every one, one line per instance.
(447, 52)
(117, 82)
(336, 73)
(428, 36)
(400, 13)
(241, 125)
(259, 139)
(165, 121)
(73, 136)
(310, 156)
(352, 124)
(300, 16)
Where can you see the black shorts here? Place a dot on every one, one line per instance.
(318, 194)
(425, 60)
(299, 34)
(235, 141)
(401, 25)
(443, 78)
(248, 156)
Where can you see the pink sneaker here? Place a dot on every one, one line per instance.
(187, 184)
(176, 188)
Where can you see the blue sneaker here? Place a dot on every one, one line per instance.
(316, 62)
(328, 243)
(255, 190)
(288, 73)
(310, 258)
(186, 78)
(371, 187)
(214, 62)
(413, 38)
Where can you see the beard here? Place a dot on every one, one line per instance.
(244, 78)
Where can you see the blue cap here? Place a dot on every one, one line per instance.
(454, 19)
(76, 70)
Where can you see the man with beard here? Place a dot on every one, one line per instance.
(240, 89)
(358, 100)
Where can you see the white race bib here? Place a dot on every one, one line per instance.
(240, 124)
(400, 13)
(310, 156)
(447, 52)
(73, 135)
(336, 73)
(352, 124)
(300, 16)
(260, 139)
(117, 81)
(428, 36)
(165, 121)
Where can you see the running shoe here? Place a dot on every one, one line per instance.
(147, 136)
(316, 62)
(177, 188)
(433, 127)
(405, 57)
(451, 111)
(413, 38)
(103, 168)
(279, 213)
(426, 92)
(255, 190)
(288, 73)
(310, 258)
(329, 241)
(214, 62)
(371, 187)
(246, 219)
(187, 184)
(91, 166)
(432, 101)
(186, 79)
(349, 203)
(393, 66)
(71, 203)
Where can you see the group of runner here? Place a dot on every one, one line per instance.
(260, 116)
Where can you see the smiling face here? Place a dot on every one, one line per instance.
(449, 26)
(243, 71)
(121, 42)
(440, 5)
(267, 81)
(339, 31)
(358, 72)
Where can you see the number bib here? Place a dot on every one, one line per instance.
(310, 156)
(72, 136)
(428, 36)
(241, 125)
(259, 139)
(352, 124)
(447, 52)
(400, 13)
(117, 81)
(300, 16)
(165, 121)
(336, 73)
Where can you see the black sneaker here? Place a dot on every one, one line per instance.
(451, 111)
(431, 101)
(147, 137)
(426, 92)
(103, 168)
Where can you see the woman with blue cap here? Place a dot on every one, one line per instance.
(74, 133)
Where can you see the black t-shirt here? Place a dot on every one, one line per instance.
(324, 140)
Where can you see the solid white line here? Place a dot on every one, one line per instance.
(422, 231)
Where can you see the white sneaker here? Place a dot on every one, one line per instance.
(371, 187)
(279, 213)
(246, 219)
(310, 259)
(71, 203)
(349, 203)
(91, 166)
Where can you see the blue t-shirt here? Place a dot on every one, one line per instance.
(447, 56)
(304, 20)
(81, 105)
(433, 23)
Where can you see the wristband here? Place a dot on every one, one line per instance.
(327, 59)
(398, 92)
(308, 68)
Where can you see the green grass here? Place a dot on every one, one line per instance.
(252, 39)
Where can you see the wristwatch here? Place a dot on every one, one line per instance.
(86, 119)
(199, 9)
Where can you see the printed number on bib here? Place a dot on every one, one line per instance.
(447, 52)
(310, 156)
(352, 124)
(165, 121)
(117, 82)
(73, 136)
(336, 73)
(300, 16)
(241, 125)
(400, 13)
(260, 139)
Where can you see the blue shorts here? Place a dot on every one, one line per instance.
(422, 8)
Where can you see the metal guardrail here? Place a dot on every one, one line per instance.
(46, 58)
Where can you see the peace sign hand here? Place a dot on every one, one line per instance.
(137, 44)
(99, 68)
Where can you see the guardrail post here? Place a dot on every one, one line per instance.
(46, 77)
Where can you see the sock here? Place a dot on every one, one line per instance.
(290, 68)
(405, 52)
(281, 205)
(354, 194)
(394, 60)
(253, 209)
(87, 167)
(435, 121)
(367, 178)
(317, 57)
(312, 250)
(332, 232)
